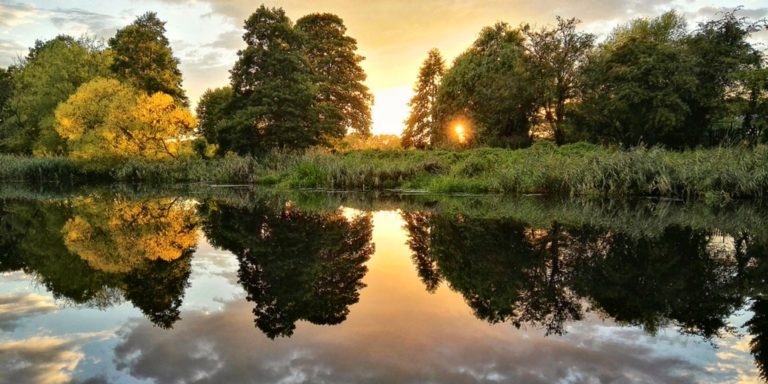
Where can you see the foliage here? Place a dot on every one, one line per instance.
(108, 119)
(643, 70)
(356, 142)
(143, 57)
(713, 175)
(489, 84)
(422, 124)
(28, 117)
(342, 98)
(557, 55)
(212, 109)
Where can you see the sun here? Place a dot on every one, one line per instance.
(461, 134)
(390, 109)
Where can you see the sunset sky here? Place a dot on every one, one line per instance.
(394, 36)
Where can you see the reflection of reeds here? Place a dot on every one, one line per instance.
(578, 169)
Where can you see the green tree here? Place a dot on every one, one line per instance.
(729, 70)
(343, 99)
(422, 123)
(557, 55)
(639, 86)
(50, 73)
(213, 108)
(491, 87)
(274, 98)
(144, 58)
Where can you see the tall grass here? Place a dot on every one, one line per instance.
(576, 169)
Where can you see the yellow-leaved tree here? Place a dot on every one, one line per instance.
(109, 119)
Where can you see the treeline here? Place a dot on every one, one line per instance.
(83, 98)
(651, 82)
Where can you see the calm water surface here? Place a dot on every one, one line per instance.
(100, 286)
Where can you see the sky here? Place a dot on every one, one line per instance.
(394, 35)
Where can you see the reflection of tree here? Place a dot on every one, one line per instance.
(505, 271)
(508, 271)
(758, 329)
(117, 236)
(294, 265)
(651, 281)
(33, 240)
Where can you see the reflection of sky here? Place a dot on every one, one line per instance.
(396, 333)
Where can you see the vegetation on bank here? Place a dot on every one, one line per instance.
(576, 169)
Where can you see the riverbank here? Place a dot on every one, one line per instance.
(576, 169)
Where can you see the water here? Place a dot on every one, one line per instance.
(218, 285)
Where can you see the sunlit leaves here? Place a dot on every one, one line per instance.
(108, 119)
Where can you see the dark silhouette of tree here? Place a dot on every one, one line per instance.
(758, 330)
(557, 55)
(294, 265)
(422, 124)
(144, 58)
(158, 289)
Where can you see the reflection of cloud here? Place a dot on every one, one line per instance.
(39, 360)
(224, 347)
(15, 307)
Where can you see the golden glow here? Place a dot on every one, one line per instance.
(461, 137)
(390, 109)
(460, 130)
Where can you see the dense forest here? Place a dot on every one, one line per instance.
(297, 85)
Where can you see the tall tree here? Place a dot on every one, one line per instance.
(728, 68)
(50, 73)
(274, 97)
(556, 57)
(639, 86)
(144, 58)
(490, 85)
(422, 123)
(343, 99)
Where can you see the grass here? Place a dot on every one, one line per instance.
(578, 169)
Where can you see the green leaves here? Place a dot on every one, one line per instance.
(143, 57)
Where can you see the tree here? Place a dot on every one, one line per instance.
(422, 123)
(342, 98)
(490, 86)
(639, 86)
(50, 73)
(212, 109)
(143, 57)
(108, 119)
(557, 55)
(274, 98)
(730, 75)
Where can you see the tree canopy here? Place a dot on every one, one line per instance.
(143, 57)
(108, 119)
(489, 84)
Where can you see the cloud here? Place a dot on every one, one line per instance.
(12, 14)
(47, 360)
(16, 307)
(84, 22)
